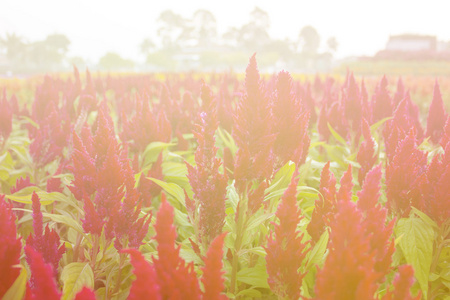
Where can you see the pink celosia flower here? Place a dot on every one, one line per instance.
(10, 247)
(45, 242)
(208, 184)
(252, 131)
(176, 279)
(212, 279)
(43, 281)
(349, 270)
(145, 286)
(86, 294)
(403, 175)
(285, 249)
(366, 156)
(291, 124)
(436, 116)
(325, 204)
(381, 101)
(403, 282)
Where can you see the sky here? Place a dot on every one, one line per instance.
(96, 27)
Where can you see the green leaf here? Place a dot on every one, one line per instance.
(151, 152)
(18, 288)
(75, 276)
(256, 221)
(317, 255)
(375, 126)
(172, 189)
(336, 135)
(424, 217)
(417, 247)
(256, 277)
(232, 196)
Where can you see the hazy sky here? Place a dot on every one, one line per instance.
(98, 26)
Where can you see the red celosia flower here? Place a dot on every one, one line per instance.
(45, 242)
(366, 156)
(291, 124)
(351, 99)
(349, 270)
(212, 279)
(403, 282)
(345, 191)
(208, 185)
(285, 249)
(446, 135)
(252, 131)
(125, 224)
(436, 116)
(43, 281)
(435, 188)
(176, 279)
(87, 294)
(380, 233)
(145, 127)
(402, 176)
(325, 204)
(399, 93)
(381, 101)
(10, 247)
(145, 286)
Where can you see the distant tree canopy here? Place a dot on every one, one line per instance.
(114, 62)
(45, 55)
(195, 39)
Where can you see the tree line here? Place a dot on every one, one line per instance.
(181, 43)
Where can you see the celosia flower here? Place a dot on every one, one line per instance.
(45, 242)
(145, 286)
(349, 270)
(252, 131)
(402, 284)
(43, 281)
(176, 279)
(352, 103)
(208, 184)
(402, 176)
(325, 204)
(381, 101)
(446, 135)
(366, 156)
(10, 247)
(87, 294)
(435, 188)
(380, 233)
(291, 124)
(212, 279)
(285, 249)
(436, 116)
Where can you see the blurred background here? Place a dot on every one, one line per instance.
(382, 37)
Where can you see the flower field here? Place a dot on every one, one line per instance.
(223, 186)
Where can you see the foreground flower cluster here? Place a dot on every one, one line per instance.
(180, 186)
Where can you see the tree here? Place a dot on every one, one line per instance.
(332, 44)
(309, 40)
(205, 27)
(254, 35)
(146, 46)
(14, 46)
(171, 27)
(114, 62)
